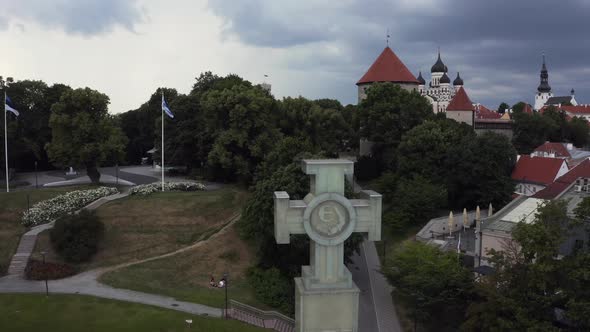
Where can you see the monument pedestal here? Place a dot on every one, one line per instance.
(326, 309)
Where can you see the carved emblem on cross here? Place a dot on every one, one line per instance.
(328, 218)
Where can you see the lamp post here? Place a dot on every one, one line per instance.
(4, 85)
(45, 274)
(36, 182)
(117, 172)
(225, 277)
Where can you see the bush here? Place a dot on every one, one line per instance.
(75, 237)
(272, 288)
(52, 209)
(147, 189)
(37, 270)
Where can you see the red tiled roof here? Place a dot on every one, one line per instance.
(558, 148)
(539, 170)
(580, 109)
(460, 102)
(388, 68)
(482, 112)
(564, 181)
(527, 109)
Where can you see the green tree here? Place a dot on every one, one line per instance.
(503, 108)
(479, 171)
(578, 131)
(386, 114)
(425, 148)
(530, 281)
(243, 118)
(83, 133)
(432, 284)
(30, 131)
(530, 131)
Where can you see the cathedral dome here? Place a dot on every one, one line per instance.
(421, 79)
(439, 66)
(445, 79)
(458, 80)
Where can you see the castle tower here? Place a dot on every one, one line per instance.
(387, 68)
(544, 90)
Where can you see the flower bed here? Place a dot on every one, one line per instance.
(37, 270)
(51, 209)
(146, 189)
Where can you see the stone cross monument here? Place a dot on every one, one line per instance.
(326, 298)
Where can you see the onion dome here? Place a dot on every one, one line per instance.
(445, 79)
(458, 81)
(421, 79)
(439, 66)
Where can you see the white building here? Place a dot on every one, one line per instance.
(439, 91)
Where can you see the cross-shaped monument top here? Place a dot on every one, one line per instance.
(328, 218)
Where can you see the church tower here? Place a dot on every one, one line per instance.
(544, 90)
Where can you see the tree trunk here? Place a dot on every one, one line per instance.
(92, 172)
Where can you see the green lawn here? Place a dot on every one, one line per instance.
(12, 206)
(64, 313)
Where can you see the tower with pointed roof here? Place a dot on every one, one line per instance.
(439, 91)
(387, 68)
(461, 108)
(544, 89)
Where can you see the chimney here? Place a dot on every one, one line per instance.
(570, 146)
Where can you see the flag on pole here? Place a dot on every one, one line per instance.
(166, 109)
(8, 107)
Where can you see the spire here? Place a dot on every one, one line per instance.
(544, 84)
(572, 92)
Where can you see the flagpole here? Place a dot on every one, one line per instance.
(162, 106)
(6, 143)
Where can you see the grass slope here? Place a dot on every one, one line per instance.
(65, 313)
(138, 227)
(186, 276)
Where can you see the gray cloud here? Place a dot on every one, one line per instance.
(496, 45)
(85, 17)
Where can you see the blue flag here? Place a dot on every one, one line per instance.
(166, 109)
(8, 107)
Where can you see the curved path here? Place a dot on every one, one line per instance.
(87, 282)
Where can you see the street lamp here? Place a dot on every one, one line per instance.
(36, 182)
(225, 277)
(4, 85)
(43, 253)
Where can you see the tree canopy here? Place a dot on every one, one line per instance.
(83, 133)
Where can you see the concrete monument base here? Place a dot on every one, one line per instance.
(326, 310)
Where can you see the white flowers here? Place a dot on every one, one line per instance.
(146, 189)
(51, 209)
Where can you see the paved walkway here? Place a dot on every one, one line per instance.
(85, 283)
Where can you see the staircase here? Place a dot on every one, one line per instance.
(21, 258)
(266, 319)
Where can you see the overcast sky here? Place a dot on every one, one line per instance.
(313, 48)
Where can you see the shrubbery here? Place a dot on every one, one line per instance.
(37, 270)
(76, 236)
(272, 288)
(51, 209)
(147, 189)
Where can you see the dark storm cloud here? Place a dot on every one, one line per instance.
(496, 45)
(85, 17)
